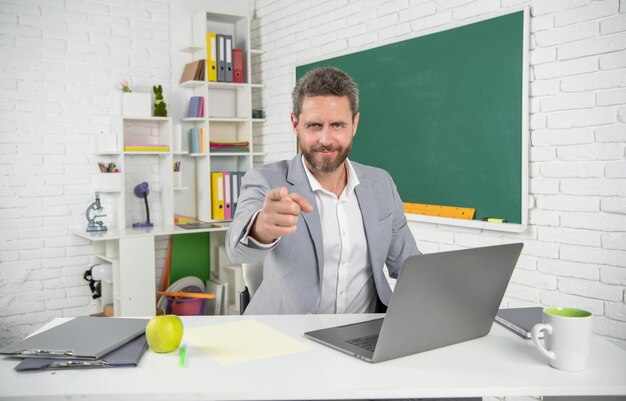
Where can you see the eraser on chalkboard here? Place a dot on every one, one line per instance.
(493, 220)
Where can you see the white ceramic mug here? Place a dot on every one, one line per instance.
(567, 337)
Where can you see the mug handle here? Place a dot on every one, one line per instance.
(534, 334)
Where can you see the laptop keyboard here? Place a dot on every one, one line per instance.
(367, 342)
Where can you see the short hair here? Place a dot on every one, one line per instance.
(325, 81)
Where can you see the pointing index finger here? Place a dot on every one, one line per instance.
(277, 193)
(304, 204)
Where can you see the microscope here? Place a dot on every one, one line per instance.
(92, 224)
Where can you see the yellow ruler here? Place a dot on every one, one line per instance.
(466, 213)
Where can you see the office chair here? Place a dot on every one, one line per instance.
(252, 278)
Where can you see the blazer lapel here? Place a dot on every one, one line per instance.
(369, 212)
(299, 182)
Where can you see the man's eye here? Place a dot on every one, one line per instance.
(337, 125)
(313, 126)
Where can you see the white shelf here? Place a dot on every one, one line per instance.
(228, 119)
(227, 85)
(145, 118)
(109, 190)
(191, 49)
(146, 153)
(258, 120)
(216, 85)
(193, 84)
(192, 119)
(106, 258)
(229, 154)
(256, 52)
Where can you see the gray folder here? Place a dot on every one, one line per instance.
(127, 355)
(82, 338)
(228, 58)
(221, 57)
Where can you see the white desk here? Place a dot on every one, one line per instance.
(500, 364)
(131, 254)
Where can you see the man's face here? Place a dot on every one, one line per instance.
(325, 131)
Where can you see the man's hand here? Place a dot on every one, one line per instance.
(279, 216)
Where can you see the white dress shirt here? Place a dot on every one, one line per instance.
(347, 282)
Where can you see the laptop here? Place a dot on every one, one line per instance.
(440, 299)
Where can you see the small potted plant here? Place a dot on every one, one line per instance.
(134, 104)
(160, 108)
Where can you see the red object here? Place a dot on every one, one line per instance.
(187, 306)
(237, 65)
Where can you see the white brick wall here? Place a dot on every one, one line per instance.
(61, 62)
(575, 245)
(60, 65)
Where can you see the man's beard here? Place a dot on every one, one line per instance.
(327, 164)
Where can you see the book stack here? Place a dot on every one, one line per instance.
(197, 140)
(146, 148)
(196, 107)
(241, 146)
(193, 72)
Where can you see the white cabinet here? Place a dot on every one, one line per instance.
(131, 290)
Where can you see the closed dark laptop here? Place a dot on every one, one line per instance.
(440, 299)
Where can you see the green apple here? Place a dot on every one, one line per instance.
(164, 333)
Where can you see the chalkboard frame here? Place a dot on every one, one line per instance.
(524, 193)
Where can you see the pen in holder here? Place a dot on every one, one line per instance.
(177, 176)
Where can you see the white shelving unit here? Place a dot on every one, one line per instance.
(228, 117)
(227, 105)
(153, 167)
(131, 251)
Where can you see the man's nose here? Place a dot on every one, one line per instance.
(325, 136)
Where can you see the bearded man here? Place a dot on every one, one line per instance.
(323, 226)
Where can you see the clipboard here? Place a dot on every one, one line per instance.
(82, 338)
(128, 355)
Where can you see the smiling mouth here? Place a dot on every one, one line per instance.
(326, 150)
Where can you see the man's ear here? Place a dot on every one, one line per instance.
(294, 123)
(355, 123)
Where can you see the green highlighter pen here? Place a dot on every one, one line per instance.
(183, 355)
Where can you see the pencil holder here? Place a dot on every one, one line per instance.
(110, 181)
(178, 179)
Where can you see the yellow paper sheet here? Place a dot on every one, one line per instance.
(242, 341)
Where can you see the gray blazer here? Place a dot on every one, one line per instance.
(292, 270)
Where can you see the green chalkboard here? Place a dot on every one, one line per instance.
(442, 113)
